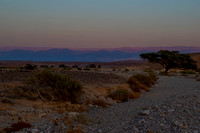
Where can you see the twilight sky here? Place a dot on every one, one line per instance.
(99, 23)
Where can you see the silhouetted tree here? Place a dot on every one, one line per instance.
(170, 59)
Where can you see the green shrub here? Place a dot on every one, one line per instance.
(55, 86)
(120, 94)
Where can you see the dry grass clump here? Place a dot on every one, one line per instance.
(120, 94)
(135, 85)
(141, 81)
(187, 72)
(50, 86)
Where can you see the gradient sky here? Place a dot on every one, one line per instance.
(99, 23)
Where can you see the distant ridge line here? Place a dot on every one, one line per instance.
(83, 55)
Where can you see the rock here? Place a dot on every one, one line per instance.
(110, 101)
(184, 126)
(125, 128)
(35, 130)
(15, 118)
(170, 110)
(176, 123)
(102, 98)
(99, 131)
(195, 131)
(162, 114)
(73, 114)
(150, 118)
(21, 118)
(145, 112)
(162, 125)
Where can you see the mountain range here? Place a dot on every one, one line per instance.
(83, 55)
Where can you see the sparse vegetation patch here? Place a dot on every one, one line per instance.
(51, 86)
(142, 81)
(120, 94)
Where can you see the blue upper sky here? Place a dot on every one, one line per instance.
(99, 23)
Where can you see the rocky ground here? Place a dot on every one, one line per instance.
(173, 105)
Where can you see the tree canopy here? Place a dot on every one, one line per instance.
(170, 59)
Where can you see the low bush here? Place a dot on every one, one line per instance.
(187, 72)
(120, 94)
(144, 79)
(55, 87)
(30, 67)
(134, 84)
(141, 81)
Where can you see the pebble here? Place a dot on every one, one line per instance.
(100, 131)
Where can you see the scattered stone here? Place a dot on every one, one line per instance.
(170, 110)
(145, 112)
(176, 123)
(73, 114)
(35, 130)
(100, 131)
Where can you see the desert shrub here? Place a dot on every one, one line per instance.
(126, 70)
(188, 72)
(92, 65)
(62, 65)
(134, 84)
(17, 127)
(144, 79)
(120, 94)
(86, 69)
(75, 66)
(152, 75)
(30, 67)
(8, 101)
(79, 69)
(55, 86)
(141, 81)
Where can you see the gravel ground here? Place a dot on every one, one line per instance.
(173, 105)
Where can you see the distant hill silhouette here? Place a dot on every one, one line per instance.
(84, 55)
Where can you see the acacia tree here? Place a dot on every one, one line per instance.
(170, 59)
